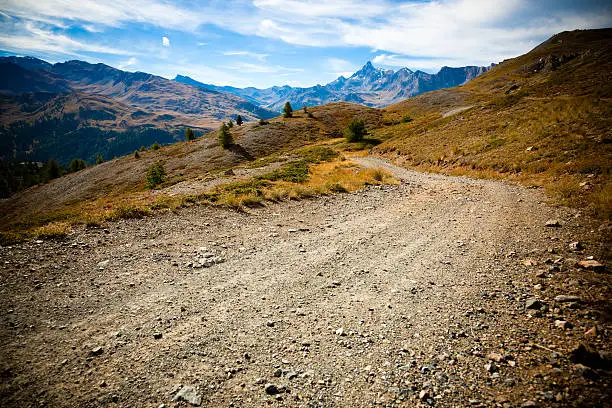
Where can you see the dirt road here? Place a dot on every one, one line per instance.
(392, 296)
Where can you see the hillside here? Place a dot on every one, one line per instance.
(120, 180)
(543, 119)
(77, 109)
(540, 119)
(370, 86)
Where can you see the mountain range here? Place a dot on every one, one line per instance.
(77, 109)
(370, 86)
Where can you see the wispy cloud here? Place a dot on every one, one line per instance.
(127, 63)
(35, 38)
(339, 67)
(261, 68)
(260, 57)
(413, 33)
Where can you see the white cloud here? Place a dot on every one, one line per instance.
(260, 57)
(452, 32)
(324, 8)
(262, 69)
(165, 41)
(339, 67)
(125, 64)
(35, 38)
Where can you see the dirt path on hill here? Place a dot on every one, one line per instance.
(391, 296)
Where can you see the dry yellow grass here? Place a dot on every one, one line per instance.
(541, 119)
(57, 229)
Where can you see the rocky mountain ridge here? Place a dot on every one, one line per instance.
(370, 86)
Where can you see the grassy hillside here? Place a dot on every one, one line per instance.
(105, 190)
(542, 119)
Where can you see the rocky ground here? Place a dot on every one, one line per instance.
(440, 291)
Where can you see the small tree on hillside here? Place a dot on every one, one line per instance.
(77, 164)
(99, 159)
(230, 124)
(305, 108)
(239, 120)
(225, 137)
(355, 130)
(288, 110)
(53, 170)
(155, 175)
(155, 146)
(189, 134)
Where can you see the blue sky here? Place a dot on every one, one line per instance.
(274, 42)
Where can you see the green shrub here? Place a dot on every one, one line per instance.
(155, 175)
(155, 146)
(355, 130)
(295, 172)
(318, 154)
(77, 164)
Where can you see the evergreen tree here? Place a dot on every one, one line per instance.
(189, 134)
(155, 175)
(230, 124)
(155, 146)
(136, 155)
(287, 110)
(239, 120)
(225, 137)
(99, 159)
(355, 130)
(76, 165)
(53, 170)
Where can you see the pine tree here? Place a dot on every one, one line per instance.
(53, 170)
(155, 175)
(189, 134)
(230, 124)
(225, 137)
(288, 110)
(99, 159)
(239, 120)
(355, 130)
(77, 164)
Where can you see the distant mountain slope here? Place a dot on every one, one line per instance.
(77, 109)
(14, 79)
(155, 93)
(370, 86)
